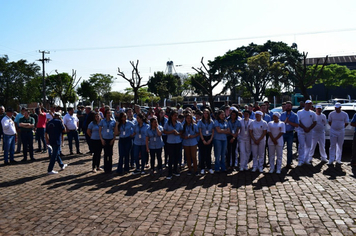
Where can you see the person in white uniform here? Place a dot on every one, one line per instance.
(258, 131)
(307, 121)
(338, 120)
(275, 129)
(318, 135)
(245, 141)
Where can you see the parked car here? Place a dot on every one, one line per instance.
(279, 109)
(350, 109)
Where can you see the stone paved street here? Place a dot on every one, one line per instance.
(307, 200)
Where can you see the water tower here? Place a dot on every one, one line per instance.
(170, 68)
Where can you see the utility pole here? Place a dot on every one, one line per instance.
(43, 60)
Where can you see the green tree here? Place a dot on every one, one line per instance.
(237, 71)
(304, 76)
(96, 87)
(14, 76)
(260, 73)
(164, 85)
(118, 97)
(335, 75)
(62, 86)
(87, 91)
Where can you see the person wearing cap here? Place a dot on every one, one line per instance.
(71, 123)
(258, 131)
(26, 124)
(307, 121)
(245, 140)
(318, 135)
(9, 129)
(291, 122)
(338, 120)
(54, 130)
(275, 129)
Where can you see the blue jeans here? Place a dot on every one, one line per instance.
(73, 134)
(55, 157)
(219, 151)
(288, 138)
(40, 135)
(124, 154)
(137, 149)
(9, 146)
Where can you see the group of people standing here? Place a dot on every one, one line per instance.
(237, 136)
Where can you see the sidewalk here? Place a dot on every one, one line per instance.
(307, 200)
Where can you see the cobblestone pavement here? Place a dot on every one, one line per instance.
(307, 200)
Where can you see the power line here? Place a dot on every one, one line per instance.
(204, 41)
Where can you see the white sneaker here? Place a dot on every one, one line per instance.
(211, 171)
(53, 172)
(271, 171)
(64, 166)
(254, 169)
(278, 171)
(202, 172)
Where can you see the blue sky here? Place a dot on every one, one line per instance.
(99, 36)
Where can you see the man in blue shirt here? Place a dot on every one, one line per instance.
(54, 130)
(291, 121)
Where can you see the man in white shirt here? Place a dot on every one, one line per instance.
(318, 135)
(9, 129)
(307, 122)
(50, 113)
(71, 123)
(338, 120)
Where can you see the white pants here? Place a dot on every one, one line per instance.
(258, 153)
(305, 140)
(273, 151)
(318, 137)
(245, 152)
(336, 142)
